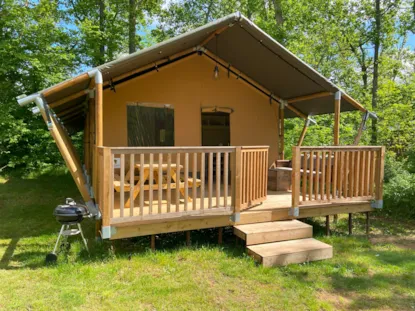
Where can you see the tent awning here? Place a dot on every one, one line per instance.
(239, 43)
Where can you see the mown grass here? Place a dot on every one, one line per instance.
(125, 275)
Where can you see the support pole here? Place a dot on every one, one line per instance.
(337, 102)
(336, 134)
(281, 131)
(350, 224)
(367, 223)
(153, 242)
(188, 240)
(220, 236)
(307, 123)
(327, 225)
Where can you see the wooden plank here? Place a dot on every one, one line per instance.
(311, 177)
(82, 78)
(323, 174)
(122, 174)
(147, 150)
(177, 182)
(362, 173)
(340, 148)
(356, 173)
(132, 177)
(202, 178)
(160, 183)
(210, 179)
(308, 97)
(380, 166)
(186, 180)
(335, 165)
(225, 178)
(168, 192)
(150, 183)
(304, 178)
(354, 103)
(238, 180)
(107, 194)
(218, 173)
(295, 178)
(141, 183)
(194, 176)
(317, 176)
(328, 176)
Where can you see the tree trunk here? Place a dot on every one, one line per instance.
(278, 13)
(101, 59)
(376, 42)
(132, 21)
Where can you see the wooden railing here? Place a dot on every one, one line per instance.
(254, 175)
(148, 183)
(337, 174)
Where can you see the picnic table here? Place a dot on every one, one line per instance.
(155, 184)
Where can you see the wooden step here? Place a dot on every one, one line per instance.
(275, 231)
(288, 252)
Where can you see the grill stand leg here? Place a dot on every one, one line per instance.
(83, 238)
(57, 241)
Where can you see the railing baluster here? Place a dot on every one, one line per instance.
(150, 184)
(194, 183)
(357, 173)
(367, 179)
(225, 178)
(210, 179)
(362, 173)
(186, 180)
(132, 177)
(351, 174)
(110, 178)
(177, 182)
(160, 183)
(334, 169)
(323, 174)
(328, 176)
(317, 176)
(311, 177)
(122, 193)
(141, 184)
(340, 174)
(218, 173)
(168, 194)
(346, 174)
(372, 173)
(304, 177)
(202, 178)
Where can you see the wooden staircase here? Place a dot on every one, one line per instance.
(280, 243)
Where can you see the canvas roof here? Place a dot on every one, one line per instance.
(243, 45)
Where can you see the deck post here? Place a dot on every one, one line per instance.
(328, 225)
(367, 223)
(350, 224)
(105, 200)
(220, 236)
(188, 240)
(153, 242)
(236, 164)
(295, 180)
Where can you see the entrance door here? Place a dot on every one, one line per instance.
(216, 132)
(216, 129)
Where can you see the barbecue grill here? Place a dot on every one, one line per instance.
(70, 215)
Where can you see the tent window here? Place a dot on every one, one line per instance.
(150, 126)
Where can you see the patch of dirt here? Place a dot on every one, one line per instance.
(339, 302)
(402, 242)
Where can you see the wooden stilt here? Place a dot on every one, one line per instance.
(335, 218)
(188, 242)
(327, 225)
(367, 223)
(220, 236)
(153, 242)
(98, 225)
(350, 224)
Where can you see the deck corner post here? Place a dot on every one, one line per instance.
(105, 182)
(295, 179)
(236, 179)
(367, 223)
(379, 175)
(328, 225)
(350, 223)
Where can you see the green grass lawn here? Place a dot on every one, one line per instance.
(375, 274)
